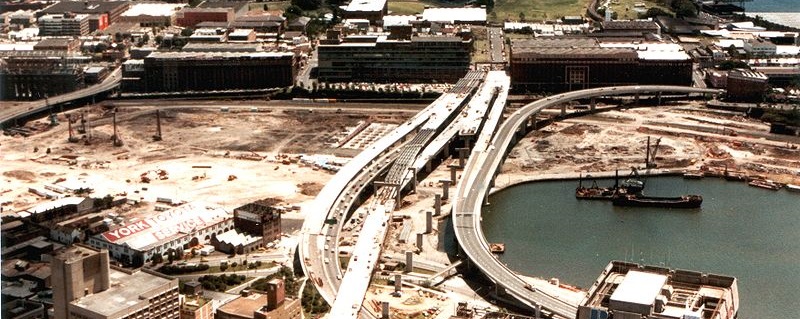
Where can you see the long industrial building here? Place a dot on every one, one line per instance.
(208, 71)
(140, 240)
(564, 64)
(382, 59)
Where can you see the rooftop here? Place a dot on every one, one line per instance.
(451, 15)
(235, 238)
(747, 74)
(366, 5)
(235, 5)
(639, 288)
(397, 20)
(217, 55)
(628, 25)
(85, 7)
(153, 9)
(554, 43)
(126, 290)
(74, 253)
(61, 202)
(245, 306)
(148, 232)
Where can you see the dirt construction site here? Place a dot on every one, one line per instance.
(226, 156)
(690, 137)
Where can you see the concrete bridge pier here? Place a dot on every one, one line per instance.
(447, 150)
(453, 169)
(445, 189)
(563, 109)
(428, 167)
(658, 98)
(437, 204)
(593, 103)
(462, 155)
(413, 179)
(635, 100)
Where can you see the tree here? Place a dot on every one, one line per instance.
(656, 12)
(684, 8)
(522, 16)
(223, 266)
(292, 12)
(307, 4)
(187, 32)
(234, 265)
(100, 47)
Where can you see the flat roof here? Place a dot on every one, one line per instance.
(366, 5)
(151, 231)
(241, 32)
(652, 51)
(451, 15)
(74, 253)
(235, 5)
(245, 306)
(84, 6)
(216, 55)
(126, 290)
(153, 9)
(639, 288)
(396, 20)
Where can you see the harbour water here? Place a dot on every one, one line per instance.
(772, 6)
(752, 234)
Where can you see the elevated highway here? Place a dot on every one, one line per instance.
(483, 165)
(318, 243)
(20, 113)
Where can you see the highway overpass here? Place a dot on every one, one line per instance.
(319, 240)
(483, 165)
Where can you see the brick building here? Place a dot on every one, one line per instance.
(190, 17)
(564, 64)
(259, 219)
(745, 85)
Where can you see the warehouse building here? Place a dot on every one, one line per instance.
(139, 240)
(386, 59)
(199, 71)
(152, 14)
(565, 64)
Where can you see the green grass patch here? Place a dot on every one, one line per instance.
(625, 8)
(537, 10)
(406, 7)
(480, 46)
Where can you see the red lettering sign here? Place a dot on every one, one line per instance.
(125, 231)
